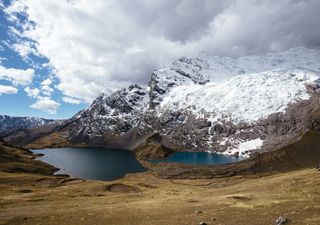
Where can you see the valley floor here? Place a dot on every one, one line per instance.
(141, 199)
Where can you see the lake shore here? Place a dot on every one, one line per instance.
(30, 194)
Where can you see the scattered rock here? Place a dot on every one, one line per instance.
(202, 223)
(213, 219)
(281, 220)
(318, 167)
(198, 211)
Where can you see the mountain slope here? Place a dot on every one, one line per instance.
(10, 123)
(208, 103)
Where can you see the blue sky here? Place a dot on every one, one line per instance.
(19, 104)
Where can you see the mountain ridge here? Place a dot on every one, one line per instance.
(193, 107)
(11, 123)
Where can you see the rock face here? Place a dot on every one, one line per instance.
(113, 114)
(10, 123)
(182, 72)
(208, 103)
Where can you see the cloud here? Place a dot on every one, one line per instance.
(43, 103)
(24, 49)
(17, 76)
(45, 87)
(32, 92)
(113, 43)
(46, 104)
(7, 90)
(71, 100)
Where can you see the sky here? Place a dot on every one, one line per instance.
(57, 56)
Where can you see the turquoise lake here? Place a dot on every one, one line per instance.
(199, 158)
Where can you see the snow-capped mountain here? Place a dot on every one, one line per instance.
(243, 98)
(210, 103)
(112, 114)
(227, 115)
(10, 123)
(183, 71)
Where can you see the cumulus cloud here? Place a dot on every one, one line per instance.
(32, 92)
(45, 87)
(7, 90)
(71, 100)
(46, 104)
(17, 76)
(110, 44)
(24, 49)
(43, 103)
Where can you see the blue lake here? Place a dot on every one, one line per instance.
(199, 158)
(92, 163)
(111, 164)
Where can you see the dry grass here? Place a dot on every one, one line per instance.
(35, 199)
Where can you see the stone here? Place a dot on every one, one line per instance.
(281, 220)
(198, 211)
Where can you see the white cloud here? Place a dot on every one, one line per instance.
(45, 87)
(24, 49)
(32, 92)
(46, 82)
(71, 100)
(2, 59)
(43, 103)
(7, 90)
(17, 76)
(110, 44)
(46, 104)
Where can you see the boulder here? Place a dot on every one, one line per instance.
(281, 220)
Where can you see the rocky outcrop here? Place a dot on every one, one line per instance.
(152, 148)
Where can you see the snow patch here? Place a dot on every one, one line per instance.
(243, 98)
(244, 148)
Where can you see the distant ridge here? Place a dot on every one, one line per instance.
(12, 123)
